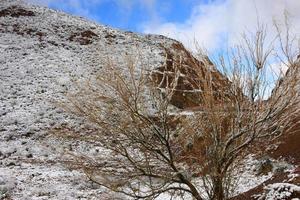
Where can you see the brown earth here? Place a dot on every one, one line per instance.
(288, 149)
(277, 178)
(289, 144)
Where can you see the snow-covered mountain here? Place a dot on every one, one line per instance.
(41, 52)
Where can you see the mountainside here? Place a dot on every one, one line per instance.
(42, 52)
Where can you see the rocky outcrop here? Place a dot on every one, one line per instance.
(288, 143)
(192, 73)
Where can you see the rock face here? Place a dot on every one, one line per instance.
(288, 145)
(192, 73)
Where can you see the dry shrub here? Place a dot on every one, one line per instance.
(149, 150)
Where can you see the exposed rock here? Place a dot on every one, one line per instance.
(264, 166)
(193, 71)
(16, 11)
(84, 37)
(288, 144)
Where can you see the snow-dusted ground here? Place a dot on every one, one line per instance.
(40, 55)
(278, 191)
(38, 62)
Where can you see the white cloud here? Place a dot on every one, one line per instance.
(277, 69)
(215, 23)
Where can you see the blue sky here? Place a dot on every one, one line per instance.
(129, 14)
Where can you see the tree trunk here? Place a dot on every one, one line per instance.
(193, 189)
(218, 190)
(195, 193)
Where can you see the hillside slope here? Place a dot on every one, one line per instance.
(41, 52)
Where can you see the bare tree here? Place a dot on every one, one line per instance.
(149, 150)
(239, 117)
(135, 128)
(288, 43)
